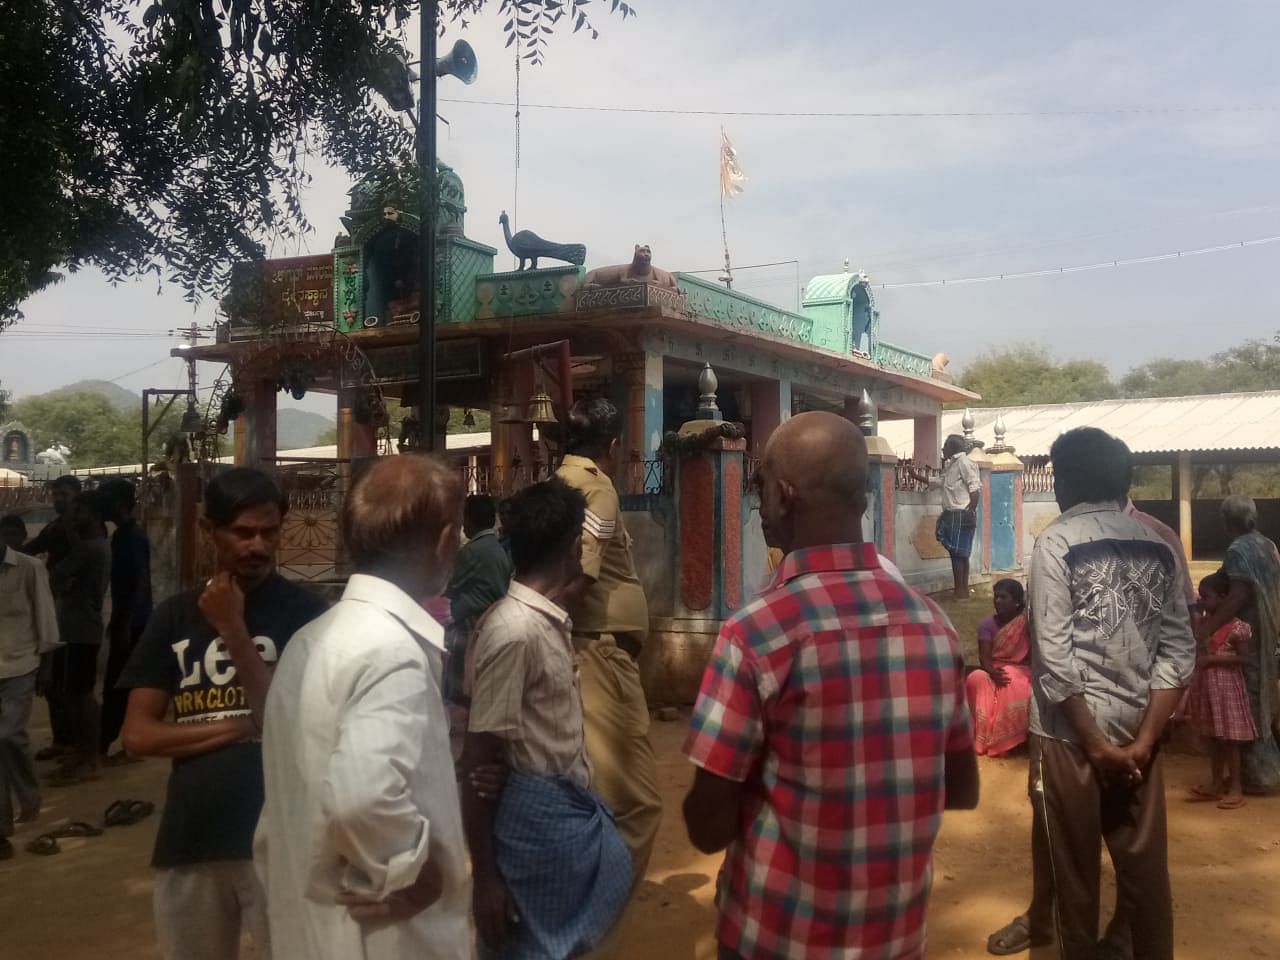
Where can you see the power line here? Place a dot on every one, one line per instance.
(750, 266)
(1079, 268)
(879, 114)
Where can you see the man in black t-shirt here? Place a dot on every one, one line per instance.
(207, 655)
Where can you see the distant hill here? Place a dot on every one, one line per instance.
(117, 396)
(294, 428)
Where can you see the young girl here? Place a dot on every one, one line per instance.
(1219, 702)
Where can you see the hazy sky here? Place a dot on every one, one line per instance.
(903, 199)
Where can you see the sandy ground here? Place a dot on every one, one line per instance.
(94, 899)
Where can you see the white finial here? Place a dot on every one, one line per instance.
(708, 409)
(967, 422)
(846, 264)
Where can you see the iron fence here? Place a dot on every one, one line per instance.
(912, 477)
(1037, 479)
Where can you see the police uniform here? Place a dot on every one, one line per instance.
(611, 618)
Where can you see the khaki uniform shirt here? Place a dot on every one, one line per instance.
(525, 686)
(615, 602)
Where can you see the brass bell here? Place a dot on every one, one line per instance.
(540, 409)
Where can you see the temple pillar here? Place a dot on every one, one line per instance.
(770, 409)
(356, 440)
(708, 492)
(1184, 487)
(256, 430)
(638, 380)
(928, 441)
(1004, 492)
(878, 521)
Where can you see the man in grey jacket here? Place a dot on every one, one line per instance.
(1112, 650)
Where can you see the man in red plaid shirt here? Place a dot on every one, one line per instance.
(831, 730)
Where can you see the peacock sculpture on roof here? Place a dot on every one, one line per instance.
(528, 246)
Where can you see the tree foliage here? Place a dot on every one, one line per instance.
(97, 433)
(1026, 374)
(172, 137)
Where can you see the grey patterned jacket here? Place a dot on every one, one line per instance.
(1109, 621)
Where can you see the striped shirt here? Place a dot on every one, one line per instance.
(834, 698)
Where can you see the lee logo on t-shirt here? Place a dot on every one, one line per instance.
(207, 690)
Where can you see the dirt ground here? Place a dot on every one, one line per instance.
(94, 899)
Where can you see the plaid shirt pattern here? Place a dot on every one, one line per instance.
(834, 698)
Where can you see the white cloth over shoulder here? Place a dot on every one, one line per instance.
(360, 783)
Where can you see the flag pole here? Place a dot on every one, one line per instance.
(727, 279)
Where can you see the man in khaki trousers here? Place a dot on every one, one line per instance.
(610, 621)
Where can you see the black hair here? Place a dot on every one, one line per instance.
(541, 520)
(591, 426)
(479, 512)
(1013, 588)
(94, 502)
(15, 521)
(119, 493)
(232, 492)
(1217, 582)
(1091, 466)
(72, 483)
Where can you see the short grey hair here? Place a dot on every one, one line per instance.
(1240, 510)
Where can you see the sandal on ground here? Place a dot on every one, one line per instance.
(76, 828)
(44, 845)
(1199, 794)
(1013, 937)
(125, 813)
(1231, 803)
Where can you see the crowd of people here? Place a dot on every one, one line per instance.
(318, 801)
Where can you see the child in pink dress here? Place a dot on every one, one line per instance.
(1219, 702)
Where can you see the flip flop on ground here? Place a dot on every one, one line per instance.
(125, 813)
(1014, 937)
(76, 828)
(1201, 794)
(44, 846)
(1231, 803)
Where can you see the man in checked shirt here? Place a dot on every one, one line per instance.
(831, 730)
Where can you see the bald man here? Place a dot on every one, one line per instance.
(360, 842)
(831, 729)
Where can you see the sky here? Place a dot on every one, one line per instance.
(905, 199)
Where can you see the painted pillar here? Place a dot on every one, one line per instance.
(881, 494)
(770, 409)
(638, 380)
(1005, 515)
(1184, 487)
(980, 562)
(709, 517)
(928, 440)
(257, 425)
(356, 440)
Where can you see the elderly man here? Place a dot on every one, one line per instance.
(360, 843)
(548, 847)
(1112, 650)
(828, 811)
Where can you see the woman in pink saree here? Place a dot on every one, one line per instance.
(999, 691)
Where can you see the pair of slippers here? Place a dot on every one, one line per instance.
(122, 813)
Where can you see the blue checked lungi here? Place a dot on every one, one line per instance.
(565, 865)
(955, 532)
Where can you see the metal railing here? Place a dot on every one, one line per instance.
(904, 476)
(899, 358)
(1037, 479)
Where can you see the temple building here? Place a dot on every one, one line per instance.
(345, 322)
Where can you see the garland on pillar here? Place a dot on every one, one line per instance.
(677, 446)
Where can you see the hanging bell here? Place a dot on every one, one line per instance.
(468, 418)
(192, 422)
(540, 409)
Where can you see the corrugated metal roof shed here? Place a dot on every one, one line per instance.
(1202, 424)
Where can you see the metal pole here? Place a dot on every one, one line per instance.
(146, 432)
(427, 230)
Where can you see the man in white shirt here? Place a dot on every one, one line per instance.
(961, 485)
(28, 632)
(552, 873)
(360, 843)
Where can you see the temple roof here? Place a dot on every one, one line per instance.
(832, 287)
